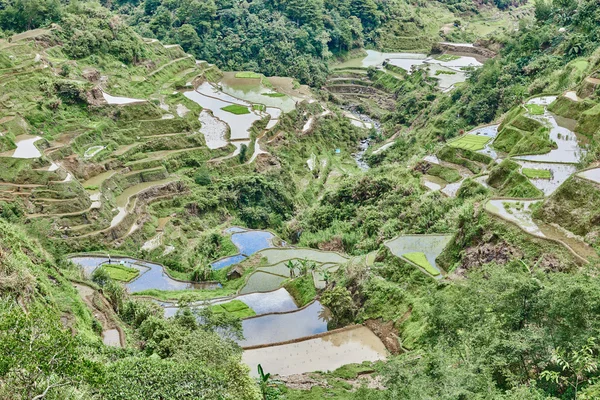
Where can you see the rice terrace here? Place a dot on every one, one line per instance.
(286, 200)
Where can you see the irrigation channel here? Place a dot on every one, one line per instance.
(276, 331)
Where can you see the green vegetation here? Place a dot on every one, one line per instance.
(448, 174)
(421, 261)
(276, 94)
(236, 109)
(509, 182)
(120, 272)
(470, 142)
(537, 173)
(235, 308)
(504, 326)
(446, 57)
(248, 74)
(535, 109)
(302, 289)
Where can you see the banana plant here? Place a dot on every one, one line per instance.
(263, 381)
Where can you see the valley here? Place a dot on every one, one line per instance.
(410, 212)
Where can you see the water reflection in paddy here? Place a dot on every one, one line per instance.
(25, 147)
(252, 90)
(248, 242)
(152, 276)
(262, 303)
(239, 124)
(325, 353)
(568, 150)
(282, 327)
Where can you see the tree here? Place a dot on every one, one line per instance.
(574, 368)
(243, 153)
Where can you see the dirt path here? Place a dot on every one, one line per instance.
(112, 334)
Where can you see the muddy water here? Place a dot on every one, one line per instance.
(446, 77)
(430, 245)
(376, 58)
(252, 90)
(281, 327)
(517, 211)
(433, 183)
(326, 353)
(97, 180)
(25, 147)
(239, 124)
(123, 201)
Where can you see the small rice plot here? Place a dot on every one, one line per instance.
(121, 272)
(248, 74)
(470, 142)
(261, 281)
(236, 308)
(274, 256)
(420, 250)
(283, 268)
(236, 109)
(421, 260)
(537, 173)
(535, 109)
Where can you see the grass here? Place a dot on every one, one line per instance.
(188, 295)
(236, 109)
(442, 72)
(121, 272)
(420, 259)
(446, 57)
(446, 173)
(537, 173)
(535, 109)
(248, 74)
(276, 94)
(259, 107)
(236, 308)
(302, 289)
(470, 142)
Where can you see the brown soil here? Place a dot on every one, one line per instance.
(100, 309)
(387, 333)
(266, 162)
(334, 244)
(477, 256)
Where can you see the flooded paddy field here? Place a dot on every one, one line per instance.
(152, 275)
(431, 246)
(273, 328)
(324, 353)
